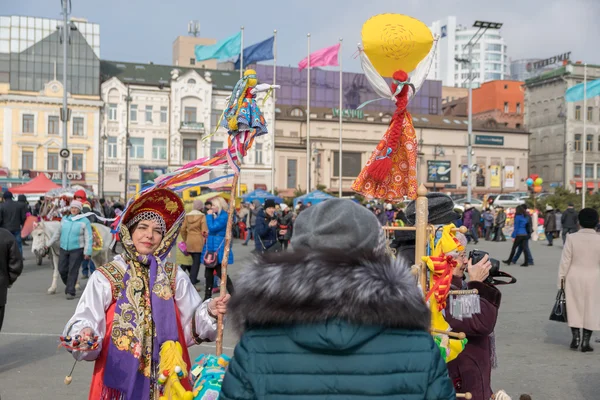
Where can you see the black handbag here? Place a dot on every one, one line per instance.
(274, 248)
(211, 258)
(559, 311)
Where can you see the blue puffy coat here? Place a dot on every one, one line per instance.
(520, 227)
(217, 226)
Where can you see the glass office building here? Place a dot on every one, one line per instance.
(325, 86)
(31, 54)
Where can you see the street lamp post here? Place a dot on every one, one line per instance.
(127, 144)
(64, 115)
(482, 26)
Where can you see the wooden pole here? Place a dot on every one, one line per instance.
(422, 216)
(223, 288)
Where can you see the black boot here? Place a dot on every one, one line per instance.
(525, 264)
(576, 338)
(507, 262)
(585, 343)
(208, 293)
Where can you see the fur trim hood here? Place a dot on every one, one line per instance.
(313, 287)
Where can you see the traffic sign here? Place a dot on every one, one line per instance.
(64, 153)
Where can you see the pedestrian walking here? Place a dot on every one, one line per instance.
(11, 266)
(286, 226)
(488, 223)
(194, 232)
(524, 245)
(550, 224)
(569, 222)
(75, 236)
(12, 217)
(254, 209)
(471, 219)
(499, 223)
(580, 272)
(322, 321)
(519, 234)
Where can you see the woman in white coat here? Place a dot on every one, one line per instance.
(580, 269)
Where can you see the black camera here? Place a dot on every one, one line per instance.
(477, 255)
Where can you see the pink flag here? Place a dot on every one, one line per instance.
(322, 58)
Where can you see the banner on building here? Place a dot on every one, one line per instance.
(464, 175)
(438, 171)
(509, 176)
(149, 174)
(495, 172)
(480, 178)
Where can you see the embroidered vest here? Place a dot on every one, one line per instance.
(113, 273)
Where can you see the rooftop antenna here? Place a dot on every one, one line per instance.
(194, 28)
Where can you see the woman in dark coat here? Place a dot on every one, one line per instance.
(471, 371)
(519, 234)
(335, 318)
(286, 225)
(216, 219)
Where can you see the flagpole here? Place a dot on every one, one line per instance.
(308, 155)
(583, 193)
(242, 55)
(274, 111)
(340, 112)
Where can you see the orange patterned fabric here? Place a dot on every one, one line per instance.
(402, 179)
(441, 279)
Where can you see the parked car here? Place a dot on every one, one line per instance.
(520, 194)
(460, 204)
(508, 201)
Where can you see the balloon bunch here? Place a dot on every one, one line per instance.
(535, 181)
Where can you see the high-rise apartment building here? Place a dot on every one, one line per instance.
(490, 58)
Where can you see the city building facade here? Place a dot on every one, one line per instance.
(500, 153)
(557, 137)
(173, 120)
(184, 54)
(500, 101)
(490, 55)
(31, 93)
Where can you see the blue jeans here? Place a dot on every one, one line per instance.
(473, 234)
(528, 255)
(250, 234)
(549, 237)
(87, 266)
(17, 235)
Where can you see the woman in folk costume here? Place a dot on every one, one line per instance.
(137, 317)
(242, 116)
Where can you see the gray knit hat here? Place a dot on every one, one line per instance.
(441, 209)
(338, 224)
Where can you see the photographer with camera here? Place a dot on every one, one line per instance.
(471, 371)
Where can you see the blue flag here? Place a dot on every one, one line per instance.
(575, 93)
(261, 51)
(226, 48)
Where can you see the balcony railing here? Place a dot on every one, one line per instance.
(191, 127)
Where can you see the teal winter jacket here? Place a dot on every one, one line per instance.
(332, 326)
(74, 235)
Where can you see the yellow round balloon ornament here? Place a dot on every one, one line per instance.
(395, 42)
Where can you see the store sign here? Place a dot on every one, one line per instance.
(55, 176)
(549, 61)
(438, 171)
(354, 114)
(149, 174)
(489, 140)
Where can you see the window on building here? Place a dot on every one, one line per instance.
(577, 143)
(589, 113)
(518, 108)
(27, 160)
(506, 107)
(192, 61)
(505, 86)
(433, 105)
(112, 112)
(77, 162)
(589, 171)
(351, 164)
(148, 113)
(493, 47)
(112, 147)
(597, 171)
(159, 149)
(28, 121)
(259, 153)
(163, 114)
(52, 161)
(578, 113)
(136, 149)
(589, 140)
(296, 112)
(189, 152)
(292, 173)
(78, 129)
(189, 114)
(518, 126)
(53, 125)
(215, 146)
(191, 81)
(133, 109)
(577, 171)
(215, 115)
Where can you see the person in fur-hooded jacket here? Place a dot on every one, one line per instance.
(336, 317)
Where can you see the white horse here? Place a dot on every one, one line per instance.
(44, 230)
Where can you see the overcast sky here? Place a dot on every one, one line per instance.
(144, 30)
